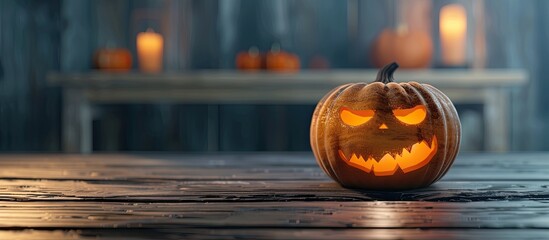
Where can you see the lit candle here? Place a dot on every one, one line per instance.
(453, 33)
(150, 48)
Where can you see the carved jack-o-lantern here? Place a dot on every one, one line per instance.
(385, 135)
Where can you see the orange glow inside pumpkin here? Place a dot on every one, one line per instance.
(411, 116)
(419, 155)
(355, 117)
(383, 126)
(408, 159)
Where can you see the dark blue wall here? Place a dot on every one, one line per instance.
(37, 37)
(30, 34)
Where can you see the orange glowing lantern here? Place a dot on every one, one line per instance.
(385, 135)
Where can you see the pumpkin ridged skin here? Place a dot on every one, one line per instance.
(329, 134)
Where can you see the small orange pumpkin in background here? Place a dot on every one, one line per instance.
(385, 135)
(281, 61)
(411, 49)
(250, 60)
(113, 59)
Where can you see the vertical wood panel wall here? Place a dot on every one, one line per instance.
(41, 36)
(30, 34)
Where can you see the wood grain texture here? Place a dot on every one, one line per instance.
(334, 215)
(29, 49)
(268, 233)
(259, 191)
(245, 166)
(263, 196)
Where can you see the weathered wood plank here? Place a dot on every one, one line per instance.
(267, 233)
(262, 196)
(192, 166)
(343, 215)
(458, 78)
(352, 234)
(258, 191)
(264, 166)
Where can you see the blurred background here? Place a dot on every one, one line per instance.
(245, 75)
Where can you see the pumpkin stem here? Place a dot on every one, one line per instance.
(385, 75)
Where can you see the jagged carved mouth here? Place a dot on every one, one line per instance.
(418, 155)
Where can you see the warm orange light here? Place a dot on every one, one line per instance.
(356, 117)
(150, 48)
(419, 155)
(453, 32)
(411, 116)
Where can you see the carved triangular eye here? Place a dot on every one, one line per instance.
(355, 117)
(411, 116)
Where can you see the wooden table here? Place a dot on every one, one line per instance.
(263, 196)
(493, 88)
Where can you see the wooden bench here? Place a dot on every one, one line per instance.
(492, 88)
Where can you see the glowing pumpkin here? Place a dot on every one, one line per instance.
(385, 135)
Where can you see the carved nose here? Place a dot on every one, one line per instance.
(383, 126)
